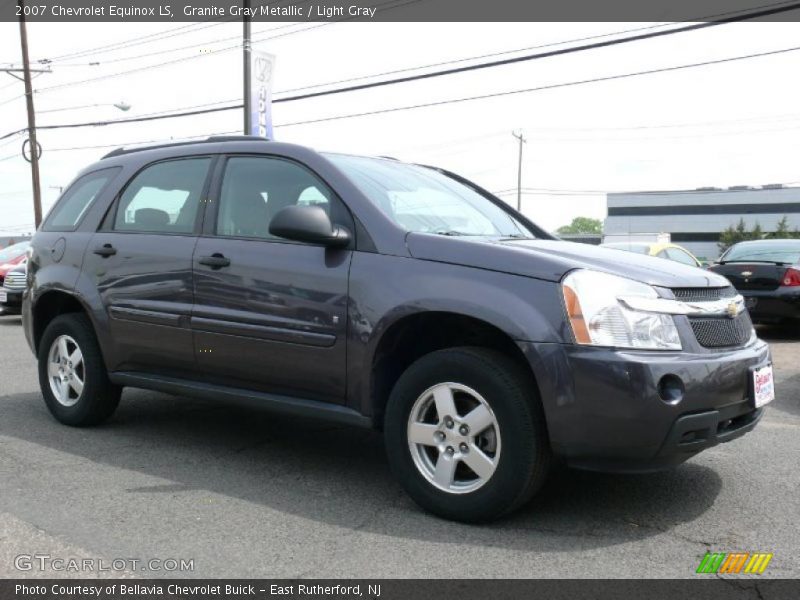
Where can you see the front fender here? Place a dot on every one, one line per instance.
(385, 289)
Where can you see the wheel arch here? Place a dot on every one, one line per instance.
(414, 335)
(51, 304)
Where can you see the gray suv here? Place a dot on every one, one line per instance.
(375, 293)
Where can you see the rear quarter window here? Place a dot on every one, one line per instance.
(76, 201)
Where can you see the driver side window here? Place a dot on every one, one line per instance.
(255, 189)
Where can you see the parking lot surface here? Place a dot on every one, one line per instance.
(246, 494)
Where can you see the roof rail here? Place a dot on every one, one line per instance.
(209, 140)
(236, 138)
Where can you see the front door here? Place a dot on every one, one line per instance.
(141, 261)
(270, 314)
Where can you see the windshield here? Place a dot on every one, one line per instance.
(423, 200)
(778, 252)
(12, 252)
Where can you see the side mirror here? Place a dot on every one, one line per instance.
(309, 224)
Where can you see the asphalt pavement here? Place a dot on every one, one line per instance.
(237, 493)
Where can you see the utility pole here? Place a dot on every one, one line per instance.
(33, 147)
(521, 137)
(246, 45)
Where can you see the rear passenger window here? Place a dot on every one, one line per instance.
(75, 202)
(164, 197)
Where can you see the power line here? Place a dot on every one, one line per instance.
(551, 53)
(131, 42)
(416, 68)
(151, 38)
(187, 47)
(774, 8)
(389, 5)
(422, 105)
(176, 49)
(547, 45)
(169, 62)
(469, 58)
(539, 88)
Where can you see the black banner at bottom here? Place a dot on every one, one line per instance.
(397, 589)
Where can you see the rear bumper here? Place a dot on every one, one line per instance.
(604, 411)
(773, 305)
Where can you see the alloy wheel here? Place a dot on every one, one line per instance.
(454, 438)
(65, 370)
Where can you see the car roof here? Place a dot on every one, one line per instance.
(770, 241)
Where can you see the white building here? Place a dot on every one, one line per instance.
(695, 218)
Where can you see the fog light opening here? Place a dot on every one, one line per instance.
(670, 388)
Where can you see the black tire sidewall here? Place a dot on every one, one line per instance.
(503, 387)
(98, 398)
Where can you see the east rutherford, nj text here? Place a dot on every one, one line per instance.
(322, 590)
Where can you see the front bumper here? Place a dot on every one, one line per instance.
(604, 410)
(13, 301)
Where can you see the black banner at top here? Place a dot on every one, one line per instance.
(395, 10)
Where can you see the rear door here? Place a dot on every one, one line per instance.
(141, 261)
(270, 314)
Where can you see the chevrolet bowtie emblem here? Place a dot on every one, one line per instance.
(732, 309)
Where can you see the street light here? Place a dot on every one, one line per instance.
(123, 106)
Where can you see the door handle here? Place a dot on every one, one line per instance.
(215, 261)
(105, 250)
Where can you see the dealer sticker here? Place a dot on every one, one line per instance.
(763, 386)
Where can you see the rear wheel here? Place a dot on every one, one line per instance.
(465, 434)
(72, 375)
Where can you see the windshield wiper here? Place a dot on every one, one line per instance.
(449, 232)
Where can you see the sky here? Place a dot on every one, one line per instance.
(721, 125)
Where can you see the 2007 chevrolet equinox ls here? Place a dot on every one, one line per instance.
(377, 293)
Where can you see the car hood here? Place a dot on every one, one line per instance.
(552, 259)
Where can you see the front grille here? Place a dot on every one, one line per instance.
(15, 281)
(703, 294)
(721, 332)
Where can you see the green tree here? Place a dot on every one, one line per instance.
(735, 234)
(582, 225)
(782, 230)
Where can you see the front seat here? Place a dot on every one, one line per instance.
(249, 216)
(151, 219)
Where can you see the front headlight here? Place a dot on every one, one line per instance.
(599, 318)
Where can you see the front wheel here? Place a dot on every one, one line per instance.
(465, 434)
(72, 376)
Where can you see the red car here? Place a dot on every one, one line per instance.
(11, 257)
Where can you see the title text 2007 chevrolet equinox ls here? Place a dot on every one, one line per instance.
(377, 293)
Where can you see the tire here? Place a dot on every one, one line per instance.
(81, 406)
(515, 441)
